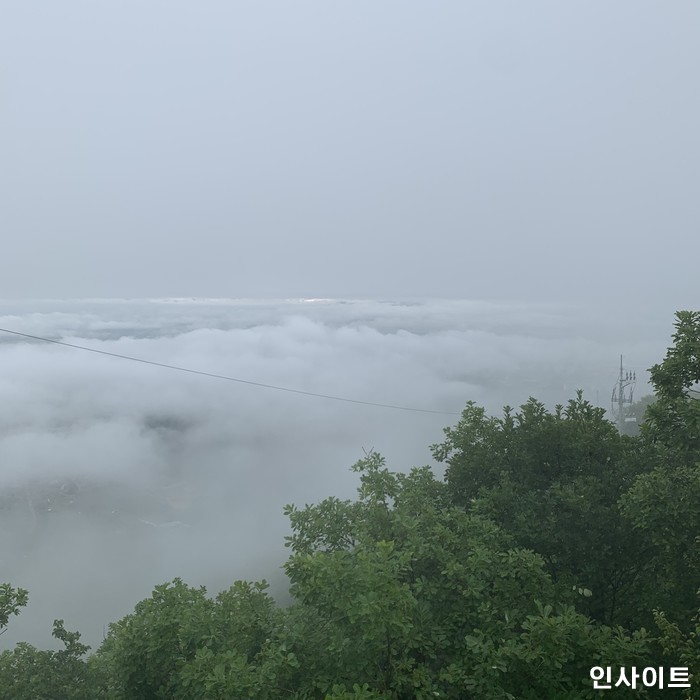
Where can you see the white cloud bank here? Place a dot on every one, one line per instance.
(116, 476)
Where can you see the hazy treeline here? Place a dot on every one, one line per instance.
(551, 545)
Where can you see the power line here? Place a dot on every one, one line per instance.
(229, 379)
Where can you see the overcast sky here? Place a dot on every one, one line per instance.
(532, 150)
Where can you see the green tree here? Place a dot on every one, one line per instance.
(398, 594)
(420, 599)
(180, 643)
(12, 600)
(27, 673)
(664, 505)
(553, 480)
(681, 648)
(672, 422)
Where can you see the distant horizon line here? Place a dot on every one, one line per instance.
(292, 299)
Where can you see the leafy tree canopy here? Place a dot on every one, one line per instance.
(29, 674)
(398, 594)
(553, 480)
(12, 600)
(673, 420)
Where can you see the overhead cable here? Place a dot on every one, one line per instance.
(227, 378)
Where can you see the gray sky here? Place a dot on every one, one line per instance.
(534, 150)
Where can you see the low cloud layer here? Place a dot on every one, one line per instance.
(117, 476)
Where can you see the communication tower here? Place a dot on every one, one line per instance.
(622, 395)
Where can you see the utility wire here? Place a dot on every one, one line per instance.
(229, 379)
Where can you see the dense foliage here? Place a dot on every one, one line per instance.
(553, 544)
(12, 600)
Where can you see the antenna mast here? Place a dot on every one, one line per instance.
(622, 394)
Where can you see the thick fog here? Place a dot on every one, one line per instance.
(117, 476)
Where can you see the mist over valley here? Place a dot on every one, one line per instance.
(119, 475)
